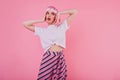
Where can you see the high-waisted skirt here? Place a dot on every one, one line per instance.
(53, 66)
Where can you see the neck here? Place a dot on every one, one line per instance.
(50, 24)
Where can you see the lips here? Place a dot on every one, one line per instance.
(48, 19)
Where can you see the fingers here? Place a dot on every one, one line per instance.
(57, 22)
(44, 17)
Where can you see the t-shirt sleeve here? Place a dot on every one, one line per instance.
(64, 25)
(38, 30)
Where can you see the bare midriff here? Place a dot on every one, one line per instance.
(56, 48)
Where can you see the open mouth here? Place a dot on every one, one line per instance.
(48, 19)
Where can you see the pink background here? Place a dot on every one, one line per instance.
(93, 41)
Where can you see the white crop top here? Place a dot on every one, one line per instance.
(52, 35)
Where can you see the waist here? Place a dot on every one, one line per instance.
(56, 48)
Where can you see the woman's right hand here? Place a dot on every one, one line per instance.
(58, 19)
(42, 19)
(30, 24)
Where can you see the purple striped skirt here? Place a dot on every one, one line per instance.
(52, 67)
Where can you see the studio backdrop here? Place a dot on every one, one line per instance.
(93, 40)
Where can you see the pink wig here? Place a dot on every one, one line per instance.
(52, 8)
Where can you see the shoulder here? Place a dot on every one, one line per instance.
(38, 30)
(64, 25)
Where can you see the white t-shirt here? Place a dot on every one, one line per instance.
(52, 35)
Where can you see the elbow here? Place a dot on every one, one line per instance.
(75, 11)
(24, 24)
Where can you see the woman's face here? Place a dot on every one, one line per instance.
(50, 17)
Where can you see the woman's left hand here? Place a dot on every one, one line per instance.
(58, 19)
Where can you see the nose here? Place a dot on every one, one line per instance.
(49, 15)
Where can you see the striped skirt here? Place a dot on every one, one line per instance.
(52, 67)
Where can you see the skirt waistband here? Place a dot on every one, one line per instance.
(54, 51)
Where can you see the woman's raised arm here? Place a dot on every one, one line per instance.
(30, 24)
(72, 13)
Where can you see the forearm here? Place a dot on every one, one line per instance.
(32, 22)
(70, 12)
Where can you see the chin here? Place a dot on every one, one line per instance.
(49, 22)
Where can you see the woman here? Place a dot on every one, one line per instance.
(53, 66)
